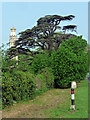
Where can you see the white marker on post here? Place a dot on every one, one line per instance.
(73, 85)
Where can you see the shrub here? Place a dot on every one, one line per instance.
(46, 77)
(40, 61)
(24, 63)
(17, 86)
(70, 62)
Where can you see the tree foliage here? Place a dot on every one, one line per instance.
(18, 82)
(44, 35)
(46, 77)
(70, 62)
(57, 59)
(40, 61)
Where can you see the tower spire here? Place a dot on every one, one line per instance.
(13, 37)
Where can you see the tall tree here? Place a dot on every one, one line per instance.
(44, 35)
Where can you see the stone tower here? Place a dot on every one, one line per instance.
(13, 38)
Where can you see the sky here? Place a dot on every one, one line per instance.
(24, 15)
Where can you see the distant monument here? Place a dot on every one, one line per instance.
(13, 38)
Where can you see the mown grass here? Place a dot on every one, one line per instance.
(54, 103)
(81, 104)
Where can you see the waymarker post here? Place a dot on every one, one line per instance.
(73, 85)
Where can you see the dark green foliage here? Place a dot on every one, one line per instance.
(63, 61)
(59, 59)
(70, 27)
(40, 61)
(18, 82)
(43, 35)
(70, 62)
(6, 63)
(76, 44)
(24, 62)
(17, 86)
(54, 19)
(47, 78)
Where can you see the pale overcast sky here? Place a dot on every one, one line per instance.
(24, 15)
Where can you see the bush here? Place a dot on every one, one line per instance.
(40, 61)
(17, 86)
(47, 78)
(24, 63)
(70, 62)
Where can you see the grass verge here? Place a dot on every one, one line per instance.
(54, 103)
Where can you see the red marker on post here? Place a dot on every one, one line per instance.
(73, 85)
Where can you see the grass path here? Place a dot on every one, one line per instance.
(54, 103)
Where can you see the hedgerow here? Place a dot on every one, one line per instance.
(46, 77)
(16, 87)
(57, 69)
(40, 61)
(70, 62)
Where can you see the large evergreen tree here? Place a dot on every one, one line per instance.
(44, 35)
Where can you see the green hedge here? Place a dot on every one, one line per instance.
(16, 87)
(46, 77)
(70, 62)
(41, 61)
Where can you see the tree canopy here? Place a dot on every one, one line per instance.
(70, 62)
(44, 35)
